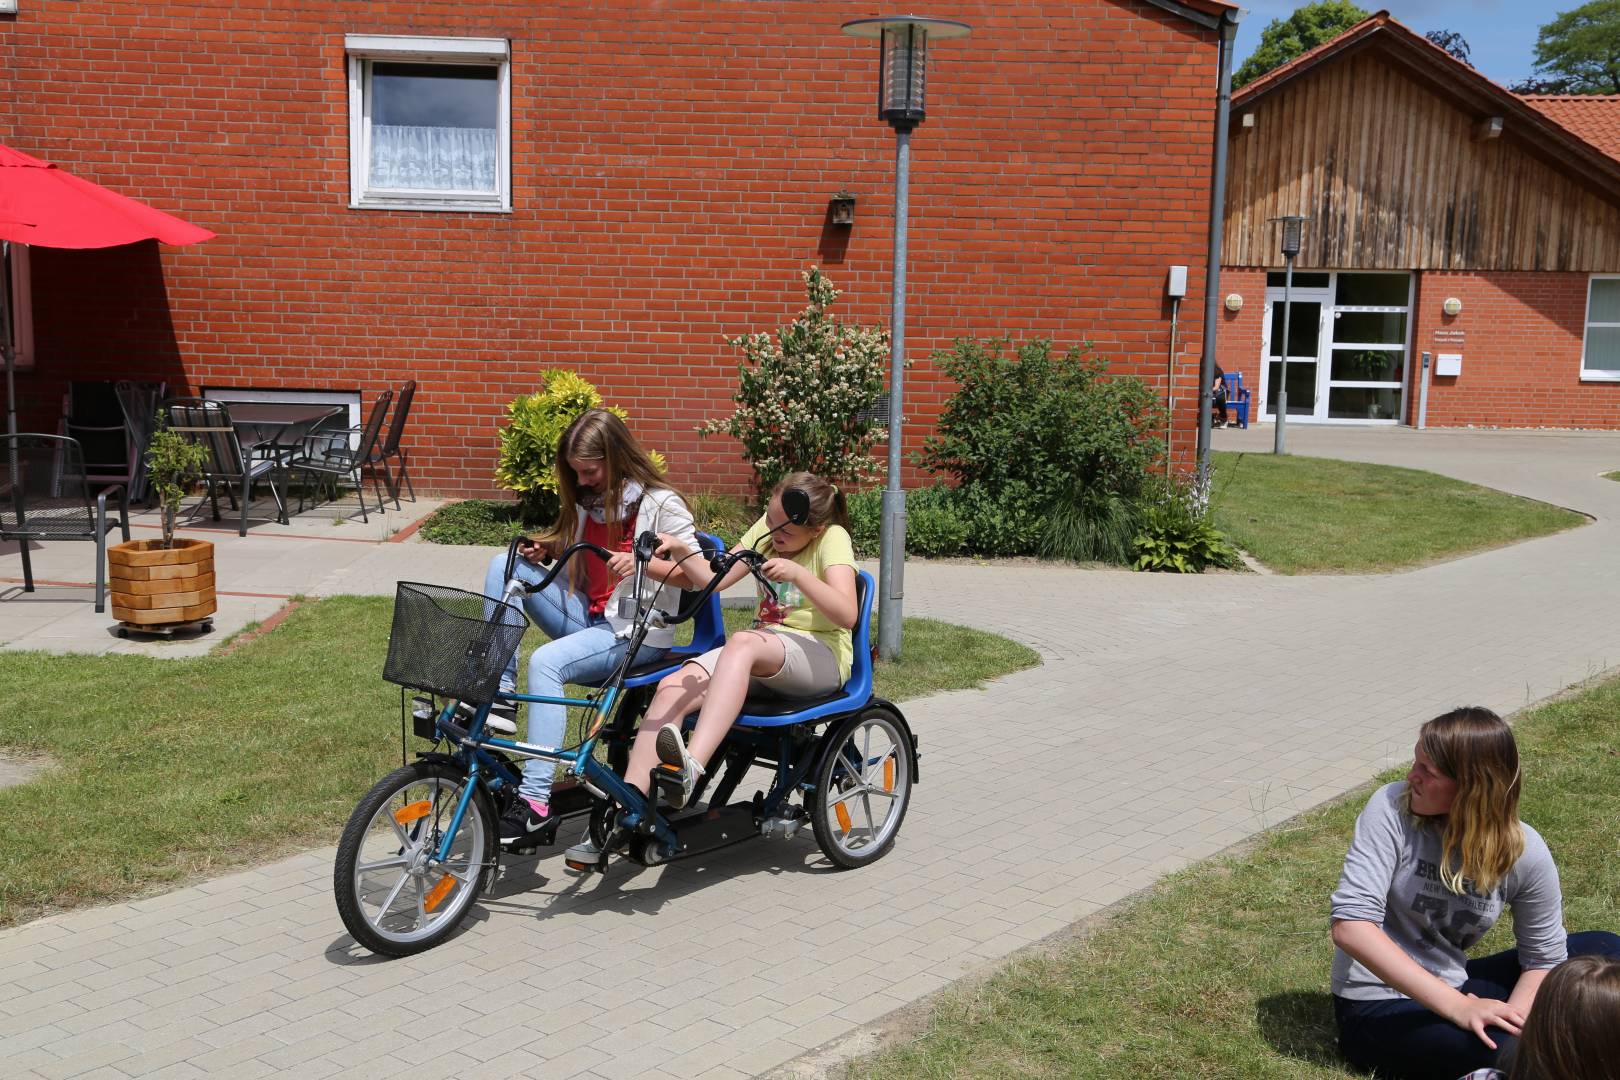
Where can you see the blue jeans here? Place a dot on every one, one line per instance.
(582, 648)
(1400, 1038)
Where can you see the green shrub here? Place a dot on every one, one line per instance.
(1038, 425)
(865, 521)
(485, 522)
(803, 399)
(528, 462)
(935, 526)
(1175, 533)
(1048, 450)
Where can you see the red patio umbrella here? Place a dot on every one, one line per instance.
(46, 206)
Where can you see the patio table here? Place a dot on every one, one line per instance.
(278, 427)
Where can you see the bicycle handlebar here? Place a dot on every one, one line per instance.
(646, 544)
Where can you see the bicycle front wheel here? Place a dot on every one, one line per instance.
(396, 896)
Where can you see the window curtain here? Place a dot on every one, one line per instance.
(433, 158)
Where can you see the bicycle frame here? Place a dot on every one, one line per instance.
(581, 760)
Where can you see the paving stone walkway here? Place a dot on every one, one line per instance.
(1172, 718)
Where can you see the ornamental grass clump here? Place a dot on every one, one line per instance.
(528, 462)
(804, 398)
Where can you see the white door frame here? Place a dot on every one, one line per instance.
(1324, 345)
(1297, 295)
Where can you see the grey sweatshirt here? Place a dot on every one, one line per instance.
(1391, 879)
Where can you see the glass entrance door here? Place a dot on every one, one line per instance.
(1347, 357)
(1310, 298)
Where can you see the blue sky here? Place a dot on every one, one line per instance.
(1502, 33)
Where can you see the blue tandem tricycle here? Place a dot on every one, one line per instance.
(422, 843)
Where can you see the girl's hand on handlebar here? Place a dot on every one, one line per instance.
(782, 570)
(535, 551)
(671, 548)
(622, 564)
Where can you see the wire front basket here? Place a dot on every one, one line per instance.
(451, 642)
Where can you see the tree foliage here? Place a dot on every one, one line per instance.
(1578, 52)
(1453, 43)
(1304, 30)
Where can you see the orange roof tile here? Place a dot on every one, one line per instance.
(1594, 117)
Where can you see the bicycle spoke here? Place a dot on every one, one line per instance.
(382, 864)
(393, 895)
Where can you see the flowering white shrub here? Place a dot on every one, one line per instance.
(803, 397)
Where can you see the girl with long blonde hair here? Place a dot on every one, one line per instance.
(1434, 862)
(610, 492)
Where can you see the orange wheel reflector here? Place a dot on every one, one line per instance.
(414, 811)
(437, 894)
(888, 774)
(843, 816)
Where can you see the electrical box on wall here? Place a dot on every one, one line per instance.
(8, 7)
(1178, 282)
(1448, 364)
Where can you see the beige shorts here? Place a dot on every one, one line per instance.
(809, 668)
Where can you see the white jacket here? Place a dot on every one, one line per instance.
(660, 510)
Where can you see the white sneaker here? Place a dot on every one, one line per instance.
(672, 752)
(585, 852)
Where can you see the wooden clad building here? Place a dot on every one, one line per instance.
(1447, 218)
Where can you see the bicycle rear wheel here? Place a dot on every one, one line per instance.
(394, 894)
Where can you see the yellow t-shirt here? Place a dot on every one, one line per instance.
(788, 608)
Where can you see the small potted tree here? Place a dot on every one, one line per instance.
(161, 585)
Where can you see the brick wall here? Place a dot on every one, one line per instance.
(1519, 333)
(671, 168)
(1520, 336)
(1239, 335)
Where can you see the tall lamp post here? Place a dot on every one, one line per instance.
(1291, 230)
(902, 79)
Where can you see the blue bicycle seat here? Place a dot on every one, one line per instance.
(780, 712)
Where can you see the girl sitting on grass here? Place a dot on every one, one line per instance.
(1434, 861)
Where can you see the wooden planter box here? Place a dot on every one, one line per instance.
(152, 587)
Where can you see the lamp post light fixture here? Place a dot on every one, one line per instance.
(1291, 234)
(902, 82)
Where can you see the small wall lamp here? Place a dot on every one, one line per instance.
(1234, 302)
(1452, 306)
(841, 208)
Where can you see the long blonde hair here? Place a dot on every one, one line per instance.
(1481, 838)
(597, 434)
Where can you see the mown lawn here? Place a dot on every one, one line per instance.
(1222, 970)
(1303, 515)
(163, 770)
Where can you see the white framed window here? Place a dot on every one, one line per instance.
(1600, 352)
(14, 287)
(430, 123)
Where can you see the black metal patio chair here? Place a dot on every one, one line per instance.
(139, 402)
(329, 455)
(45, 495)
(391, 447)
(92, 417)
(208, 424)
